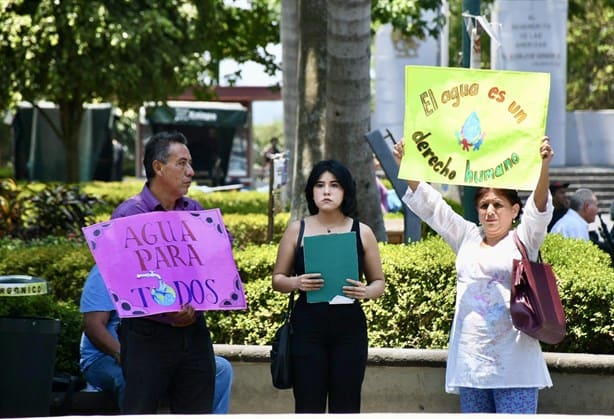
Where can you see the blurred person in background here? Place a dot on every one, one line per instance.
(583, 208)
(560, 201)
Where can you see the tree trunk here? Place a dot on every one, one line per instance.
(311, 108)
(348, 102)
(289, 53)
(71, 115)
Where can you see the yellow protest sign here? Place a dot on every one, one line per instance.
(474, 127)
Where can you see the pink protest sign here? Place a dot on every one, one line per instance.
(158, 261)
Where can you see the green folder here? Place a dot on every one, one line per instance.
(335, 257)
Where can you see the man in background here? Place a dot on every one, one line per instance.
(583, 208)
(270, 151)
(559, 201)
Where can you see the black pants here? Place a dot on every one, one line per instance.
(159, 360)
(329, 357)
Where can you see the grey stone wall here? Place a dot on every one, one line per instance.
(589, 138)
(412, 380)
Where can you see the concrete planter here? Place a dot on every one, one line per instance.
(412, 380)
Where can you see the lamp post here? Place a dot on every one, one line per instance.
(471, 7)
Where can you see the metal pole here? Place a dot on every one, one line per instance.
(412, 224)
(271, 215)
(444, 36)
(473, 8)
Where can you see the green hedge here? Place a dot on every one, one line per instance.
(245, 213)
(414, 312)
(229, 202)
(586, 286)
(246, 229)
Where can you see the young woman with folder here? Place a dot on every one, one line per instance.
(329, 342)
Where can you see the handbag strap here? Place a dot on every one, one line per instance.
(290, 306)
(291, 295)
(523, 250)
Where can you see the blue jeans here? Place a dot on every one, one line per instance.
(223, 384)
(106, 374)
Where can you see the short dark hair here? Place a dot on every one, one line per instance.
(345, 179)
(557, 185)
(510, 194)
(157, 148)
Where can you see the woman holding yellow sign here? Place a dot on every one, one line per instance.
(494, 367)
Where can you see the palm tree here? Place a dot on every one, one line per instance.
(289, 52)
(348, 101)
(311, 107)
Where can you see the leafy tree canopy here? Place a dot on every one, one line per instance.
(125, 51)
(72, 52)
(590, 54)
(408, 16)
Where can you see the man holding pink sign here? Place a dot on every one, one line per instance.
(100, 360)
(155, 256)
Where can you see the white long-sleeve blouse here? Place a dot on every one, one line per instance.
(485, 350)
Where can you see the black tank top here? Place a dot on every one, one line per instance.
(299, 258)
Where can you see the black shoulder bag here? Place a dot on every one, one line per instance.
(280, 351)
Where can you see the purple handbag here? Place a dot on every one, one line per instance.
(535, 304)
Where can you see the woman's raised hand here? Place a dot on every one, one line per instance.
(398, 151)
(545, 150)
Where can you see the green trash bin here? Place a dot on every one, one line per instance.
(27, 353)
